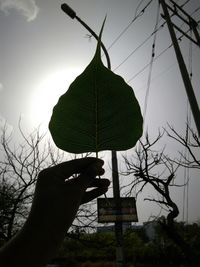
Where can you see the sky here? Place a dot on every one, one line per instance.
(42, 50)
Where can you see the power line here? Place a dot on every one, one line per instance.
(120, 35)
(161, 73)
(186, 153)
(128, 26)
(149, 37)
(143, 8)
(154, 32)
(151, 64)
(147, 65)
(179, 39)
(133, 52)
(185, 3)
(197, 9)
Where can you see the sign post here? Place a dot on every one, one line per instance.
(109, 212)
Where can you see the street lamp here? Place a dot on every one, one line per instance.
(115, 176)
(72, 14)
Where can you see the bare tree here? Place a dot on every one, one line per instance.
(190, 142)
(152, 166)
(19, 168)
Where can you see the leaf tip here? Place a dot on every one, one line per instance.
(98, 50)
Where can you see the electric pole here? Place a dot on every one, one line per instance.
(181, 14)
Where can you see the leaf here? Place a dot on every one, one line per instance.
(98, 112)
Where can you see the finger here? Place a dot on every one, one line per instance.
(90, 166)
(93, 194)
(87, 178)
(96, 182)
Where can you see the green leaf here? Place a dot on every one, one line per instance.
(98, 112)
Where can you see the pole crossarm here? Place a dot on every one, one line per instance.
(177, 7)
(185, 76)
(180, 13)
(185, 34)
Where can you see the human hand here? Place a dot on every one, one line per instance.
(57, 198)
(55, 204)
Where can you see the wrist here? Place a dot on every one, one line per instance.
(44, 233)
(34, 245)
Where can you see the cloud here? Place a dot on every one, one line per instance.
(27, 8)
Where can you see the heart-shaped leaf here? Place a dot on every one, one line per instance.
(98, 112)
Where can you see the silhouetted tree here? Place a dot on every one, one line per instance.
(19, 167)
(190, 142)
(152, 166)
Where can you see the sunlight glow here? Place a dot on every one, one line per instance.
(47, 93)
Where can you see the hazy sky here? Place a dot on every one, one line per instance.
(42, 50)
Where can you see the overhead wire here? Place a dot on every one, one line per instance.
(149, 37)
(147, 65)
(187, 155)
(162, 52)
(184, 3)
(143, 8)
(136, 16)
(151, 64)
(197, 9)
(138, 47)
(150, 71)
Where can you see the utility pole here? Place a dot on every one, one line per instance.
(115, 175)
(181, 14)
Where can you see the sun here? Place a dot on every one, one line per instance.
(47, 93)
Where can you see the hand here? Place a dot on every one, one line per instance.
(57, 198)
(56, 201)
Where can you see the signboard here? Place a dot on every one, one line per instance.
(107, 211)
